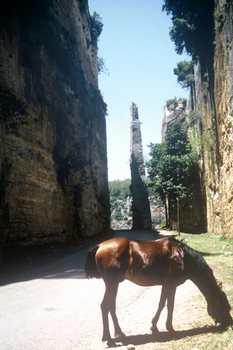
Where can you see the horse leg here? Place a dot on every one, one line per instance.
(170, 307)
(105, 308)
(162, 302)
(109, 305)
(117, 328)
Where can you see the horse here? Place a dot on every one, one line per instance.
(165, 261)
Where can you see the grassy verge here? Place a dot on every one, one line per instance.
(219, 255)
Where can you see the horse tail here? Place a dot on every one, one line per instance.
(200, 273)
(90, 266)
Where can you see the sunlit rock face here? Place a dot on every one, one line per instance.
(215, 105)
(223, 66)
(53, 164)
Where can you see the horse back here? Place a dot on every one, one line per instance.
(142, 262)
(112, 257)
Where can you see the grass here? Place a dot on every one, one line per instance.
(218, 253)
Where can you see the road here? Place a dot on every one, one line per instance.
(57, 308)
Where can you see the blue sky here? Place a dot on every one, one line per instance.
(140, 58)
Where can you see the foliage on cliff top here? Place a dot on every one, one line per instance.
(184, 73)
(193, 25)
(173, 103)
(172, 164)
(96, 27)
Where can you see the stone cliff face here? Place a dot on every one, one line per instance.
(224, 108)
(140, 202)
(53, 165)
(213, 100)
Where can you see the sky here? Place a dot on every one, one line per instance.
(139, 58)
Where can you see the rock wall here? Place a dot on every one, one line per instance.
(53, 165)
(214, 106)
(223, 66)
(140, 201)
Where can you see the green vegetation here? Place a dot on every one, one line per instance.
(171, 167)
(194, 117)
(119, 195)
(184, 73)
(195, 141)
(173, 102)
(207, 140)
(193, 26)
(218, 253)
(119, 189)
(101, 66)
(171, 164)
(96, 27)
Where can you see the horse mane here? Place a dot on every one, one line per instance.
(200, 273)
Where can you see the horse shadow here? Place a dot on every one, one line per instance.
(162, 337)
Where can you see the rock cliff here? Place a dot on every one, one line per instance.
(140, 201)
(53, 163)
(213, 124)
(223, 66)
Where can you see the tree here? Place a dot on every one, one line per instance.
(193, 26)
(184, 73)
(119, 189)
(96, 27)
(171, 168)
(120, 196)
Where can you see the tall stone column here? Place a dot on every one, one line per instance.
(140, 205)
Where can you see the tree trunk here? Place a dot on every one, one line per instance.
(178, 215)
(166, 213)
(167, 210)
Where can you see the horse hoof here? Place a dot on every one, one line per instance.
(111, 342)
(119, 335)
(105, 338)
(170, 329)
(154, 329)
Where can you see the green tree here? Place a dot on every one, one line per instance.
(96, 27)
(184, 73)
(192, 26)
(171, 168)
(119, 193)
(119, 189)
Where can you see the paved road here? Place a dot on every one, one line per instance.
(58, 309)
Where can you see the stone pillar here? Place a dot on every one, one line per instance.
(140, 203)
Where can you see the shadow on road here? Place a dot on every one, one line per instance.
(28, 263)
(162, 337)
(23, 263)
(55, 260)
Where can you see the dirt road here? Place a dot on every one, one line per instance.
(58, 309)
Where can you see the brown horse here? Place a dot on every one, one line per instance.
(167, 262)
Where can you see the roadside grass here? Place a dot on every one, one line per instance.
(218, 253)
